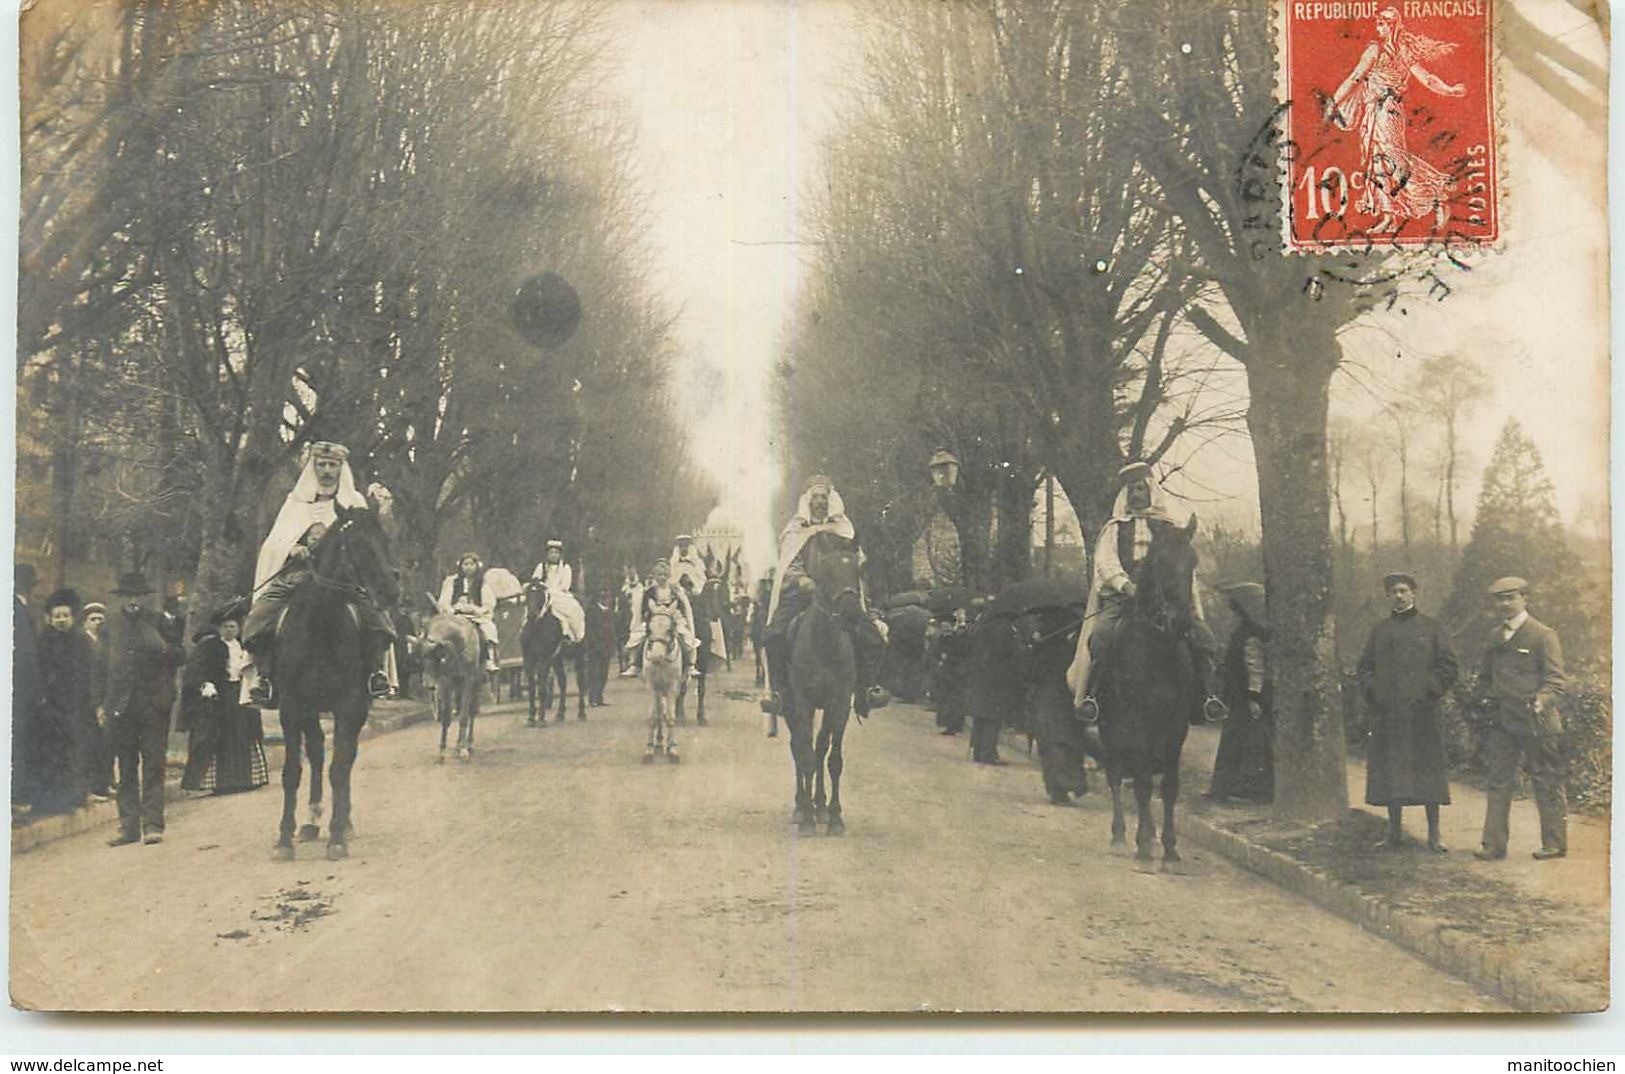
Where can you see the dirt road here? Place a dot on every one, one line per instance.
(555, 871)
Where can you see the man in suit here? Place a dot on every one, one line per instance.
(1519, 682)
(136, 658)
(600, 644)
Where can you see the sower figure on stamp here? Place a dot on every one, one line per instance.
(1519, 682)
(1124, 541)
(1405, 671)
(325, 484)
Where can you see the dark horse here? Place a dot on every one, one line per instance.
(708, 606)
(546, 652)
(325, 659)
(823, 676)
(1150, 690)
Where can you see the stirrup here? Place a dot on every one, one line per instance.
(1088, 710)
(878, 697)
(1215, 710)
(263, 695)
(378, 684)
(771, 706)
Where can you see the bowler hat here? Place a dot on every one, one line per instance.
(233, 608)
(1134, 471)
(133, 584)
(63, 598)
(1397, 577)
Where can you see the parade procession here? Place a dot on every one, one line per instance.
(1082, 506)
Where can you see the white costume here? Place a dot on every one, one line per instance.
(480, 609)
(557, 578)
(675, 598)
(798, 531)
(1109, 575)
(301, 510)
(690, 566)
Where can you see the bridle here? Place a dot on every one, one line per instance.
(665, 638)
(354, 590)
(1164, 616)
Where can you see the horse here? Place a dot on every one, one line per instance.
(1150, 690)
(663, 671)
(707, 606)
(450, 652)
(546, 652)
(823, 676)
(325, 662)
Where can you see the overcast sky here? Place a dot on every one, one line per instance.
(734, 97)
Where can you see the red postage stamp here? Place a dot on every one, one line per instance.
(1390, 136)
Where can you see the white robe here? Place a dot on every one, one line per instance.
(557, 578)
(798, 531)
(690, 566)
(301, 510)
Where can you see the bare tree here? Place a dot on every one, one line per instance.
(1448, 388)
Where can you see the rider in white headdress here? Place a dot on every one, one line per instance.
(1138, 512)
(557, 578)
(820, 510)
(686, 563)
(325, 484)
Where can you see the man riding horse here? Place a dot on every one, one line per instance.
(325, 484)
(466, 594)
(820, 516)
(687, 563)
(1137, 515)
(556, 577)
(663, 597)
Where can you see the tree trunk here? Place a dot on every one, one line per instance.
(1287, 417)
(1012, 558)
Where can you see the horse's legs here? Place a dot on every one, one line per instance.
(820, 752)
(1170, 795)
(292, 728)
(699, 695)
(670, 726)
(564, 684)
(467, 698)
(1145, 833)
(581, 684)
(801, 749)
(1114, 780)
(315, 750)
(442, 709)
(346, 736)
(837, 826)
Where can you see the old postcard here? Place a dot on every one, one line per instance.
(885, 506)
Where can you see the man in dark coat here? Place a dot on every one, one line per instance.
(136, 660)
(63, 742)
(25, 686)
(1519, 683)
(1406, 669)
(600, 645)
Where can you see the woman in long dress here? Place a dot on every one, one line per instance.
(1399, 184)
(226, 751)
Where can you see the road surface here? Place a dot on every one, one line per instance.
(557, 872)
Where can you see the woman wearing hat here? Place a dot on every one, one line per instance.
(1245, 766)
(226, 753)
(63, 747)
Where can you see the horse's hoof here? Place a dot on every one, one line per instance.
(309, 833)
(648, 758)
(820, 813)
(1173, 864)
(807, 827)
(440, 758)
(337, 851)
(282, 852)
(836, 826)
(1144, 865)
(465, 754)
(671, 755)
(1119, 846)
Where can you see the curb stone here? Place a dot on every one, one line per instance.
(105, 814)
(1432, 940)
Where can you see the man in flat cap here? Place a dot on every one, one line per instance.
(1137, 514)
(1405, 671)
(1519, 683)
(325, 484)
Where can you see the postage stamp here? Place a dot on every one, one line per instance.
(1390, 124)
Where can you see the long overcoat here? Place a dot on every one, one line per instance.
(1407, 668)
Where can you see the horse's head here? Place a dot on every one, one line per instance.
(536, 598)
(353, 553)
(662, 636)
(1163, 585)
(832, 564)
